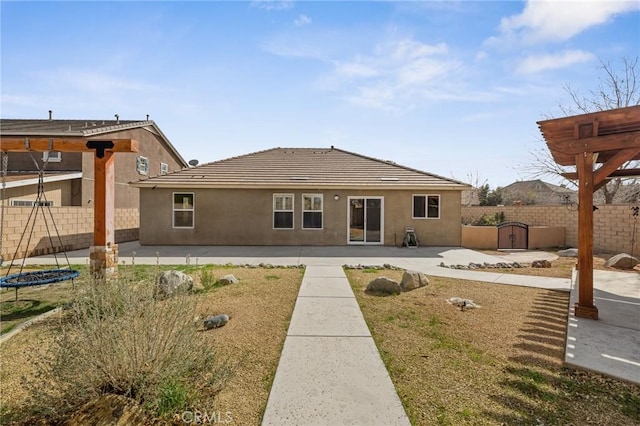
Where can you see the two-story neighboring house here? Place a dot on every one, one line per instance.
(68, 177)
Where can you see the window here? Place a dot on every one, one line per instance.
(142, 165)
(311, 211)
(282, 211)
(426, 206)
(52, 156)
(183, 210)
(30, 203)
(164, 168)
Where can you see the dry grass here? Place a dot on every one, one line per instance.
(260, 307)
(499, 364)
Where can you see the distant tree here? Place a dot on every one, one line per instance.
(488, 196)
(615, 89)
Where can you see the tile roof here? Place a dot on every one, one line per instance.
(79, 128)
(302, 168)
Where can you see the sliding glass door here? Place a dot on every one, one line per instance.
(365, 219)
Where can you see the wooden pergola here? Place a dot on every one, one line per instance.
(609, 138)
(104, 178)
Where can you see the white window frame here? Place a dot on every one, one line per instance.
(29, 203)
(52, 156)
(273, 215)
(190, 209)
(164, 168)
(426, 206)
(321, 211)
(142, 165)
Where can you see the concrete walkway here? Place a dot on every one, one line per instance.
(330, 371)
(610, 345)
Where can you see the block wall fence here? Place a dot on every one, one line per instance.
(613, 224)
(74, 224)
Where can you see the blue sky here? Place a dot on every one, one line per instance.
(450, 87)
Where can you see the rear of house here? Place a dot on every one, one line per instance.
(299, 196)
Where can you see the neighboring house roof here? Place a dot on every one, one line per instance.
(536, 186)
(302, 168)
(80, 128)
(538, 192)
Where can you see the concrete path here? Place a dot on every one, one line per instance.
(330, 371)
(610, 345)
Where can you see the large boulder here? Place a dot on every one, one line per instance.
(384, 285)
(412, 280)
(172, 282)
(570, 252)
(622, 261)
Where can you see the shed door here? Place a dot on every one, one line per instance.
(513, 235)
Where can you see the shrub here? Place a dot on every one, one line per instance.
(118, 339)
(489, 219)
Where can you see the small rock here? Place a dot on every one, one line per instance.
(412, 280)
(541, 264)
(622, 261)
(384, 285)
(228, 279)
(462, 303)
(215, 321)
(570, 252)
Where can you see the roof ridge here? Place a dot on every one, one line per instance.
(235, 157)
(393, 163)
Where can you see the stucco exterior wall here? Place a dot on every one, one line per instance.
(58, 192)
(245, 217)
(546, 236)
(24, 162)
(126, 196)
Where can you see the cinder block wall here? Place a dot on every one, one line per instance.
(612, 223)
(74, 225)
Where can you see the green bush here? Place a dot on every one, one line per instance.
(489, 219)
(117, 338)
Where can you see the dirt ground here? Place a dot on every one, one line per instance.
(259, 306)
(560, 268)
(500, 364)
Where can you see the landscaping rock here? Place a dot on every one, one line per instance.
(170, 283)
(384, 285)
(570, 252)
(541, 264)
(412, 280)
(228, 279)
(462, 303)
(215, 321)
(622, 261)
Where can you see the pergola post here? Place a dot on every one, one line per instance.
(585, 307)
(103, 255)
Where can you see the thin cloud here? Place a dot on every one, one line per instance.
(302, 20)
(543, 21)
(273, 4)
(550, 61)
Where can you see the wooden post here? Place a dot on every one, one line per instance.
(103, 196)
(584, 307)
